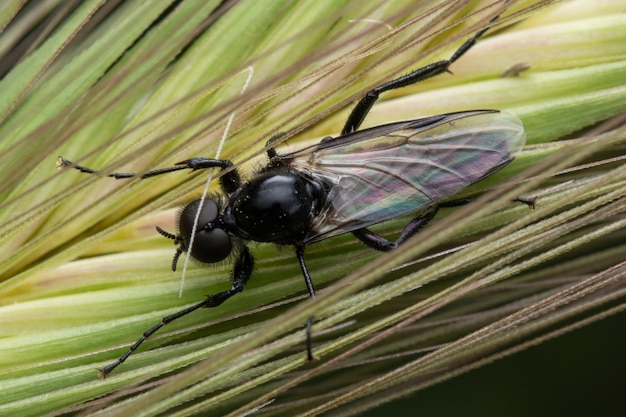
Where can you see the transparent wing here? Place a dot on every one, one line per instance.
(390, 170)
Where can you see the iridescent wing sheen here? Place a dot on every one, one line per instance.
(395, 169)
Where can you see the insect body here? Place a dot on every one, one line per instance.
(341, 185)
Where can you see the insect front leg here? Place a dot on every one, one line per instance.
(376, 241)
(241, 274)
(364, 105)
(229, 181)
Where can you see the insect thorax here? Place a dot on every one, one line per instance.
(276, 206)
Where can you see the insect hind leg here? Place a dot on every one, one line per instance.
(364, 105)
(377, 242)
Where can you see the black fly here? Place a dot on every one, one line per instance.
(343, 184)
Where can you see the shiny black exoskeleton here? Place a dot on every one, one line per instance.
(283, 204)
(276, 206)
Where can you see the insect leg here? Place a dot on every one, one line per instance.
(241, 274)
(529, 201)
(364, 105)
(271, 152)
(311, 289)
(230, 181)
(64, 163)
(375, 241)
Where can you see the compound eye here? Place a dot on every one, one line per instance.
(211, 246)
(188, 215)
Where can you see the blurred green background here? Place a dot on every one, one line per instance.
(578, 374)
